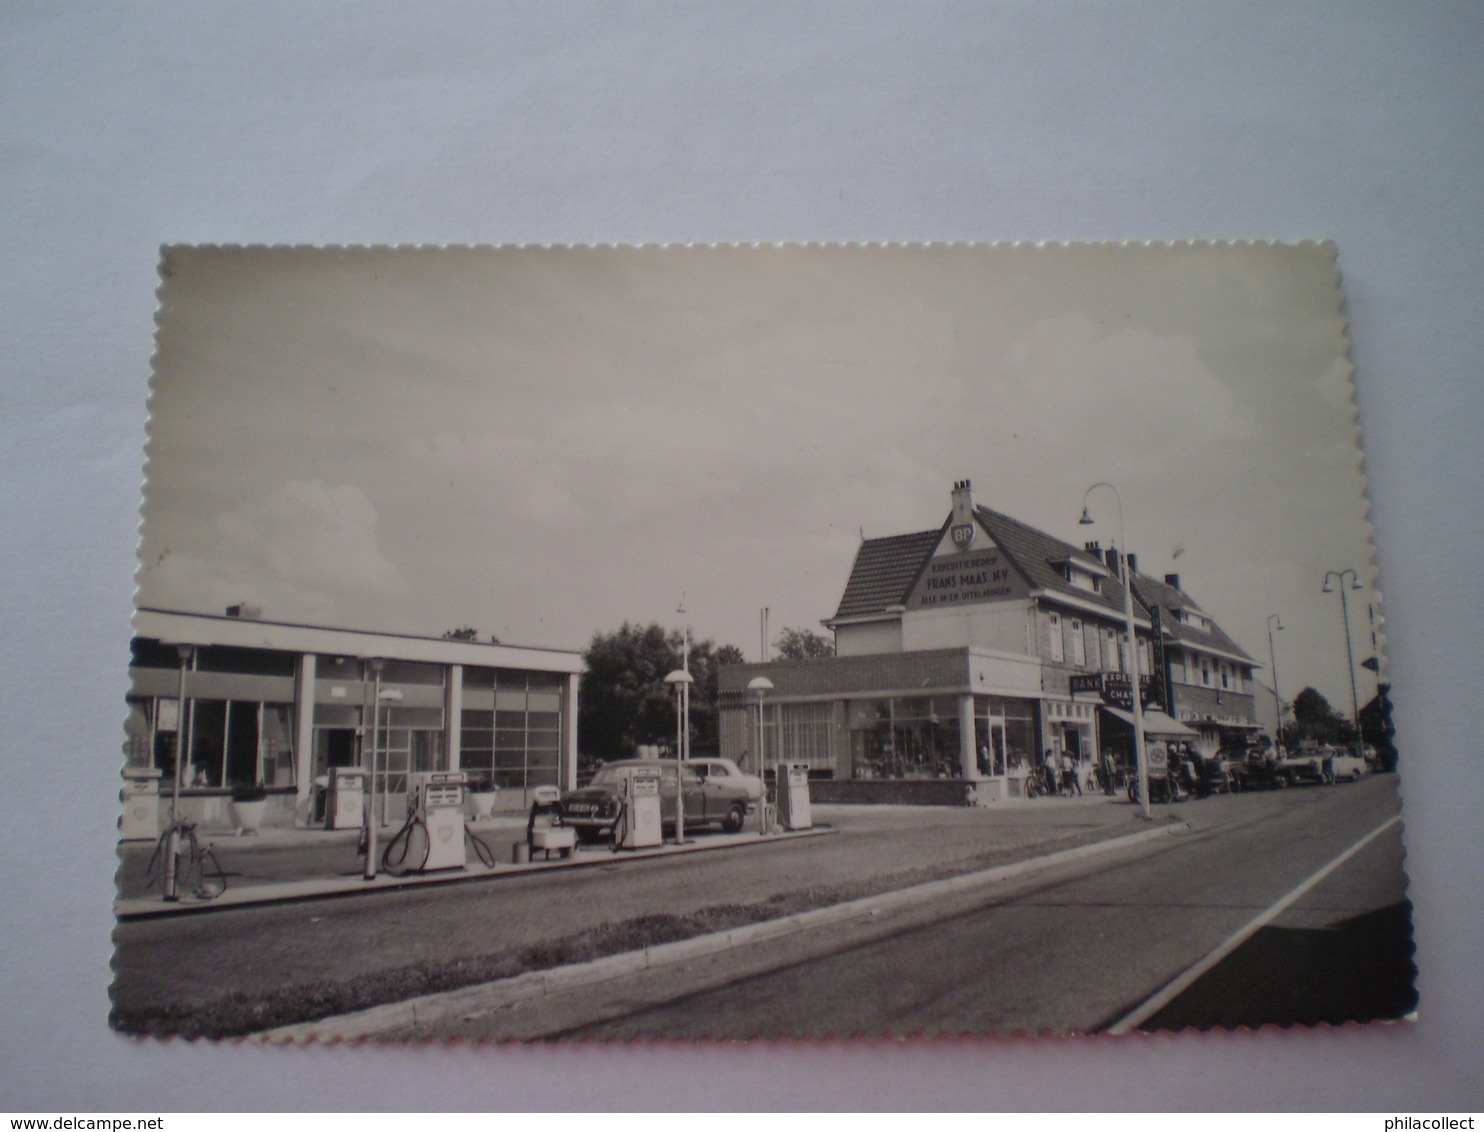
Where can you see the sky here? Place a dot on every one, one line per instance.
(544, 443)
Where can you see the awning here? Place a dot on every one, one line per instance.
(1155, 723)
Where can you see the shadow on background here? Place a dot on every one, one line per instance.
(1358, 970)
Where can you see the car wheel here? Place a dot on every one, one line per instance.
(732, 823)
(1280, 782)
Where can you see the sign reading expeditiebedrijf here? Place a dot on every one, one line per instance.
(963, 578)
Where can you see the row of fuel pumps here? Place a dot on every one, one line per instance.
(433, 836)
(641, 821)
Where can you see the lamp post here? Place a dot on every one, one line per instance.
(370, 869)
(171, 881)
(760, 686)
(1273, 658)
(1133, 645)
(681, 680)
(1339, 576)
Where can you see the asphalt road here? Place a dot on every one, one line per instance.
(1070, 951)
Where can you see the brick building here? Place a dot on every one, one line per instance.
(966, 651)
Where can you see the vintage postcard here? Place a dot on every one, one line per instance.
(589, 643)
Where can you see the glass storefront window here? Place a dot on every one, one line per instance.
(230, 742)
(905, 737)
(516, 746)
(1009, 728)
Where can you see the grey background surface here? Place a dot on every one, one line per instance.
(128, 127)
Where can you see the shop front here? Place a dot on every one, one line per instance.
(866, 737)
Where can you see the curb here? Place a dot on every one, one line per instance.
(432, 1008)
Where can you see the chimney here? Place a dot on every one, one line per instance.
(1094, 549)
(1173, 581)
(1133, 564)
(1110, 556)
(245, 612)
(963, 503)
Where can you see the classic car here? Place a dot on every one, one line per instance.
(1345, 765)
(717, 792)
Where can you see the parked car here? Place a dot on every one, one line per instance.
(717, 792)
(1345, 765)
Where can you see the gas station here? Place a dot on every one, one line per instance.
(379, 738)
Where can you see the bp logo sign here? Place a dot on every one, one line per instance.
(962, 535)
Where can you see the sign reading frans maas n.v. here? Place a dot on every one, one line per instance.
(958, 579)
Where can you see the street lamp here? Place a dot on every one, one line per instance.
(1273, 658)
(171, 881)
(1133, 652)
(370, 868)
(1339, 576)
(760, 686)
(681, 680)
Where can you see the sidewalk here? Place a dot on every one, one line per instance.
(279, 863)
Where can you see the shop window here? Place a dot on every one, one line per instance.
(906, 737)
(517, 746)
(136, 735)
(278, 745)
(805, 735)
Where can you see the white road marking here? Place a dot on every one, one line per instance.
(1162, 998)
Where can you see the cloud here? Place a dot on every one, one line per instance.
(295, 551)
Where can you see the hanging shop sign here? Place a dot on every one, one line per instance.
(1116, 689)
(1162, 693)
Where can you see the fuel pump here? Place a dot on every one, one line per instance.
(345, 795)
(640, 824)
(793, 796)
(435, 824)
(140, 820)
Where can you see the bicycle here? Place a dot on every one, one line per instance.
(190, 866)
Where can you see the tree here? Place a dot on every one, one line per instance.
(1377, 729)
(797, 644)
(1313, 718)
(624, 702)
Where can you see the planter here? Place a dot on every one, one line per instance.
(248, 816)
(481, 804)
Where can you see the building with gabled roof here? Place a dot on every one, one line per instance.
(1209, 679)
(966, 652)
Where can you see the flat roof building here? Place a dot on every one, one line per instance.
(279, 705)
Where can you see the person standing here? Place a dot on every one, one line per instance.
(1108, 770)
(1050, 771)
(1069, 776)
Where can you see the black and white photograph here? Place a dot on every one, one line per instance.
(588, 643)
